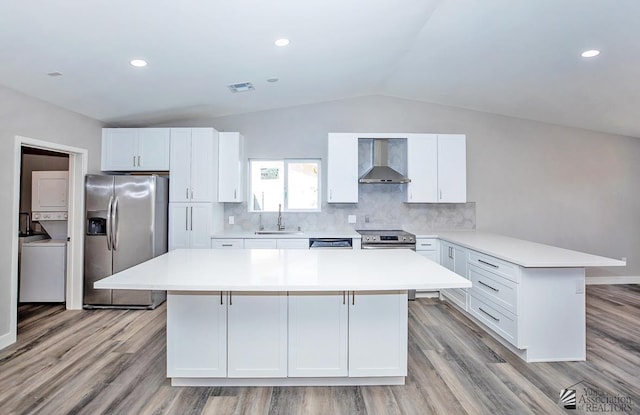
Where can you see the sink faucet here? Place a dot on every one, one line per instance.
(280, 225)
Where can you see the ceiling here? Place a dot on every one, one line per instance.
(518, 58)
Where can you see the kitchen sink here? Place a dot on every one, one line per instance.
(279, 232)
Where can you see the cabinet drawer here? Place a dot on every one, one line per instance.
(227, 243)
(503, 323)
(292, 243)
(496, 289)
(426, 244)
(458, 296)
(495, 265)
(259, 244)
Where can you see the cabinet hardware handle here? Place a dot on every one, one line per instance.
(191, 217)
(191, 193)
(186, 218)
(220, 297)
(230, 298)
(235, 192)
(330, 194)
(425, 244)
(344, 300)
(138, 161)
(353, 299)
(488, 286)
(227, 244)
(134, 161)
(187, 189)
(451, 252)
(494, 319)
(440, 191)
(488, 263)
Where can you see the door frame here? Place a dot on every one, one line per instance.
(75, 249)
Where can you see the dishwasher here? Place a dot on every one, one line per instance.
(330, 243)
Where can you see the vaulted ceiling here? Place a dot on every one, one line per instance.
(518, 58)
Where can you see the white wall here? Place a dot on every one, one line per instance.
(562, 186)
(28, 117)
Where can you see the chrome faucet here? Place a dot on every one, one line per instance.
(280, 225)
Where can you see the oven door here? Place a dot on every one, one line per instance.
(389, 246)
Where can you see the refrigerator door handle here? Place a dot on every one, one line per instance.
(114, 222)
(109, 209)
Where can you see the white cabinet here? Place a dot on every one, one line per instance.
(190, 225)
(196, 335)
(194, 156)
(257, 335)
(437, 167)
(342, 168)
(135, 149)
(318, 334)
(422, 168)
(226, 243)
(378, 334)
(260, 244)
(428, 248)
(231, 167)
(454, 258)
(292, 243)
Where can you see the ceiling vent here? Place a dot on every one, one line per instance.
(241, 87)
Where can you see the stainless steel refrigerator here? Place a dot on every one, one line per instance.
(126, 224)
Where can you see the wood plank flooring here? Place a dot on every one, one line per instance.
(113, 362)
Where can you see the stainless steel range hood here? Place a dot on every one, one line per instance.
(381, 172)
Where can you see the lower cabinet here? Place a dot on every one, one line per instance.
(455, 258)
(257, 335)
(296, 334)
(196, 346)
(190, 225)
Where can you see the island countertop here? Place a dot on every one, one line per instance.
(285, 270)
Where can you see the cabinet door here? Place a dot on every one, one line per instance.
(422, 168)
(342, 168)
(378, 334)
(260, 244)
(203, 164)
(119, 149)
(153, 149)
(230, 167)
(257, 335)
(447, 258)
(318, 335)
(200, 225)
(180, 165)
(196, 335)
(452, 168)
(292, 243)
(179, 233)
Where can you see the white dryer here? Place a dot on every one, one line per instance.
(44, 263)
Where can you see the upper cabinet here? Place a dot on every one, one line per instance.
(194, 154)
(342, 168)
(231, 167)
(135, 149)
(437, 167)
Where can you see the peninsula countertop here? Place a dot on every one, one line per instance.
(285, 270)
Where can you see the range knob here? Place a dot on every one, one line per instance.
(404, 238)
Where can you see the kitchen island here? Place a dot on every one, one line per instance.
(286, 317)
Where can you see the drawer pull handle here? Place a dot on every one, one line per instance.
(488, 286)
(488, 263)
(227, 244)
(425, 244)
(494, 319)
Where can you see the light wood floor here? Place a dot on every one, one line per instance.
(113, 361)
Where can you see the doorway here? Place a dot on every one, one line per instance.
(77, 167)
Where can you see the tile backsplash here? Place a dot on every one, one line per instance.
(382, 204)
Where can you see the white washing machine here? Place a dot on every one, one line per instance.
(44, 263)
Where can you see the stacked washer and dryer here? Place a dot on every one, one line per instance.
(44, 262)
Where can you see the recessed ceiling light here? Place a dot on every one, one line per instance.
(54, 74)
(590, 53)
(272, 80)
(241, 87)
(282, 42)
(138, 63)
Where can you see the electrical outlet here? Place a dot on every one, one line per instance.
(351, 218)
(232, 220)
(366, 219)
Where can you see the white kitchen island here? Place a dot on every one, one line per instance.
(286, 317)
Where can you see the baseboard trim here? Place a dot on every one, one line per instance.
(7, 340)
(612, 280)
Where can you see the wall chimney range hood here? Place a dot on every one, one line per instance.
(381, 172)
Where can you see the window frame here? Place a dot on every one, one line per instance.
(286, 162)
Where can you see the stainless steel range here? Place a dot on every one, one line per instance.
(389, 239)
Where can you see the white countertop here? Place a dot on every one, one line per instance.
(301, 235)
(286, 270)
(524, 253)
